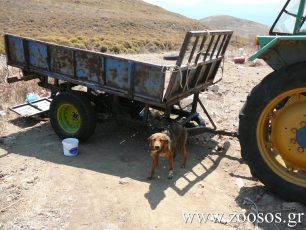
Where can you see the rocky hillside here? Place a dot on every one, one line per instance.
(109, 26)
(241, 27)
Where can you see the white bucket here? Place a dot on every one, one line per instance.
(70, 146)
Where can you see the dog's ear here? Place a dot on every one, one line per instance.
(150, 139)
(166, 138)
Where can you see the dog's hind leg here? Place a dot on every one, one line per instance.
(154, 165)
(184, 152)
(170, 161)
(174, 150)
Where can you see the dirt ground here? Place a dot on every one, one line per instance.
(104, 187)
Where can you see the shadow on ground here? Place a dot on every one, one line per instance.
(120, 151)
(267, 211)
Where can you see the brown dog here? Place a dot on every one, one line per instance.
(165, 144)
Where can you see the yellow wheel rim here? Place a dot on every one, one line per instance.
(281, 136)
(68, 118)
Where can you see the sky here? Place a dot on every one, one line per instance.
(262, 11)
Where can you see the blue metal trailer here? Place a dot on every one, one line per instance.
(118, 81)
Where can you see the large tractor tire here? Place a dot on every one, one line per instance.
(272, 132)
(72, 115)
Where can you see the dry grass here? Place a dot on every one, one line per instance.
(128, 26)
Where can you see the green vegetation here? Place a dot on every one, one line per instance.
(128, 26)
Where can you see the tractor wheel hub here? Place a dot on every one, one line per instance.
(301, 137)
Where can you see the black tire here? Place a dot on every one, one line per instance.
(275, 84)
(85, 112)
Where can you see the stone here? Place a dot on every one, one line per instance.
(124, 180)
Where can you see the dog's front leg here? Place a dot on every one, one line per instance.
(154, 165)
(170, 161)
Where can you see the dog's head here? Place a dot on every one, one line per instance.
(159, 142)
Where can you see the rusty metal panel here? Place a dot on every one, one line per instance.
(116, 73)
(38, 54)
(61, 60)
(148, 81)
(178, 82)
(89, 66)
(16, 51)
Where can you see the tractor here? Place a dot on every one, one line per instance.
(272, 122)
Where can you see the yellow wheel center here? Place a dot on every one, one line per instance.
(68, 118)
(287, 125)
(281, 136)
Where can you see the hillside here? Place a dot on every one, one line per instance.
(108, 26)
(241, 27)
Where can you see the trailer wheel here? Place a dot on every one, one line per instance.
(72, 115)
(272, 132)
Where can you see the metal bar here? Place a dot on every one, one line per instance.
(163, 77)
(207, 114)
(183, 50)
(200, 130)
(299, 16)
(221, 45)
(291, 14)
(25, 78)
(181, 112)
(179, 105)
(34, 106)
(213, 71)
(200, 49)
(212, 32)
(193, 49)
(195, 102)
(54, 88)
(208, 48)
(215, 47)
(178, 97)
(21, 105)
(146, 112)
(228, 38)
(201, 74)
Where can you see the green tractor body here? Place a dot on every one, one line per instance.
(286, 43)
(272, 123)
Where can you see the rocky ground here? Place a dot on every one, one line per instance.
(104, 187)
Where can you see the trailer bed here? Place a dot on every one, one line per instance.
(160, 83)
